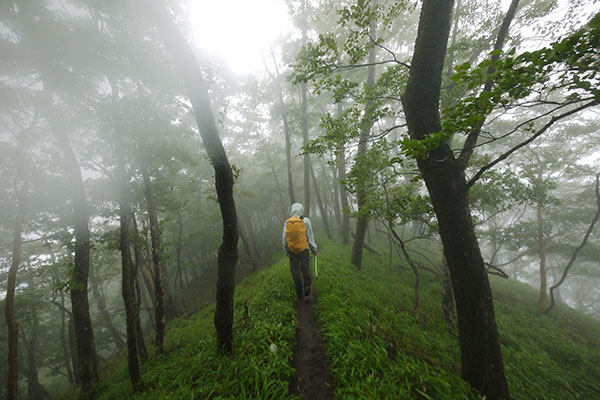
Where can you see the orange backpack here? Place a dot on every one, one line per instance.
(295, 235)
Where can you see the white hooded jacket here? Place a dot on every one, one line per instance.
(298, 211)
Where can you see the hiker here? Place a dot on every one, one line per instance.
(297, 237)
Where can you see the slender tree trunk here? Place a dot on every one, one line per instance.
(320, 203)
(304, 120)
(63, 339)
(127, 268)
(159, 304)
(198, 95)
(142, 350)
(178, 251)
(286, 131)
(282, 204)
(341, 167)
(482, 364)
(367, 122)
(20, 191)
(335, 197)
(542, 252)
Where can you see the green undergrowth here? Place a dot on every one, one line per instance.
(378, 350)
(259, 368)
(375, 348)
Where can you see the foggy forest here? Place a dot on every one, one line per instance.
(441, 158)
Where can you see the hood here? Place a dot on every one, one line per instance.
(297, 210)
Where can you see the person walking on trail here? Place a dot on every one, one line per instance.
(296, 240)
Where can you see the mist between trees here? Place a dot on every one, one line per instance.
(141, 178)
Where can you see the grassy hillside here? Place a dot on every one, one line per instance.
(376, 349)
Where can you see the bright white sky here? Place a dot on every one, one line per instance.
(238, 31)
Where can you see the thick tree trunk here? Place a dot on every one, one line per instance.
(447, 295)
(366, 124)
(482, 364)
(159, 304)
(198, 95)
(542, 252)
(84, 335)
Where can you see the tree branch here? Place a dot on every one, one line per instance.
(578, 249)
(531, 139)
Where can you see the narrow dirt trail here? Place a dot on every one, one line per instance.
(312, 380)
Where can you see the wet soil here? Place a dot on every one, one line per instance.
(312, 380)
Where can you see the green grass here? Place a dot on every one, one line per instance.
(375, 348)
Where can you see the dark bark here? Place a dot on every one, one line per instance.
(159, 304)
(447, 295)
(63, 339)
(73, 349)
(366, 124)
(482, 365)
(197, 90)
(84, 335)
(142, 350)
(35, 390)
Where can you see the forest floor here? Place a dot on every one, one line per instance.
(312, 379)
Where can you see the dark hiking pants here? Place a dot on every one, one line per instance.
(300, 269)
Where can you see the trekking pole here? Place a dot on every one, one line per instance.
(316, 270)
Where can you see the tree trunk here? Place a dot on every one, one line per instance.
(306, 157)
(542, 252)
(366, 124)
(63, 339)
(35, 390)
(320, 203)
(84, 335)
(178, 250)
(286, 131)
(198, 95)
(335, 197)
(482, 365)
(127, 268)
(447, 295)
(20, 191)
(159, 304)
(341, 167)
